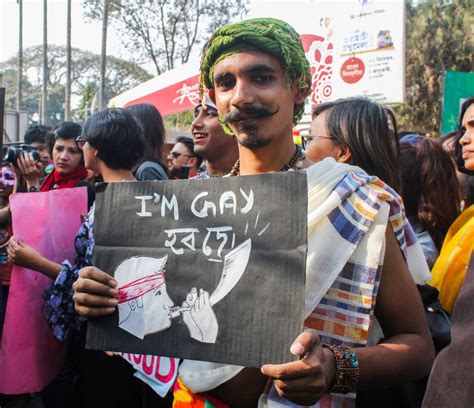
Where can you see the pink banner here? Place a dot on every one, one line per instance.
(30, 356)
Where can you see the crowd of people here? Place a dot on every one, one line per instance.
(390, 219)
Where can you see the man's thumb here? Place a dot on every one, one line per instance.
(304, 343)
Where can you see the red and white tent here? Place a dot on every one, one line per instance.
(172, 92)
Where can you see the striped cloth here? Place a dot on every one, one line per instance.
(348, 213)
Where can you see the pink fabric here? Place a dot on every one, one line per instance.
(30, 357)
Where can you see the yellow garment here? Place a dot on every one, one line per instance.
(451, 267)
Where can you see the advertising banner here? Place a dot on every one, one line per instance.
(355, 48)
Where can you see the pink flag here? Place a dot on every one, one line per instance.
(30, 356)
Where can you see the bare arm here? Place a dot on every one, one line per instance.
(24, 255)
(406, 354)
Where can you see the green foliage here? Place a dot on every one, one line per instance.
(179, 121)
(439, 38)
(120, 76)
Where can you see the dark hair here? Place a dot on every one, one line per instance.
(117, 136)
(37, 133)
(188, 142)
(65, 131)
(363, 127)
(153, 130)
(457, 147)
(429, 186)
(467, 190)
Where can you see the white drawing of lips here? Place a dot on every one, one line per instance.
(235, 263)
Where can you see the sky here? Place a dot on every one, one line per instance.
(85, 35)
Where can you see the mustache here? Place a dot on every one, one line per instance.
(250, 112)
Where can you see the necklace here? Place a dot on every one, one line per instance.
(295, 163)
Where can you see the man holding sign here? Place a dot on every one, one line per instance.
(257, 74)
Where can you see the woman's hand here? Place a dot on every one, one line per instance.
(21, 254)
(29, 169)
(94, 293)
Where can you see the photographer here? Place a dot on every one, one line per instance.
(38, 136)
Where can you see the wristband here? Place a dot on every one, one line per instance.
(347, 369)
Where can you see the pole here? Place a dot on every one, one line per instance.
(2, 113)
(67, 99)
(20, 57)
(103, 60)
(44, 90)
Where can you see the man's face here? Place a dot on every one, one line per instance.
(43, 152)
(209, 138)
(178, 156)
(251, 93)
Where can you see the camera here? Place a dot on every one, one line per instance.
(10, 154)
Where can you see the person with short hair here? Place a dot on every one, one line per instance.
(69, 170)
(183, 163)
(112, 142)
(218, 149)
(39, 137)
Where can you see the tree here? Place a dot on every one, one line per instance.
(85, 75)
(67, 101)
(164, 32)
(44, 89)
(439, 38)
(20, 56)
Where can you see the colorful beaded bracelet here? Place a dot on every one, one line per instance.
(347, 369)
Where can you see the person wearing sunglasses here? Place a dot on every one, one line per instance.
(183, 163)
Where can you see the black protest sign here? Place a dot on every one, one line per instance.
(210, 270)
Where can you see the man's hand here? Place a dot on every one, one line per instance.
(22, 254)
(200, 317)
(94, 293)
(29, 169)
(305, 381)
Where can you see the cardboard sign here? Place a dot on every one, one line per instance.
(30, 356)
(210, 270)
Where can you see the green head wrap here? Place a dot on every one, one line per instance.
(269, 35)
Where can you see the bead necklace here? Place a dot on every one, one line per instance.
(295, 163)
